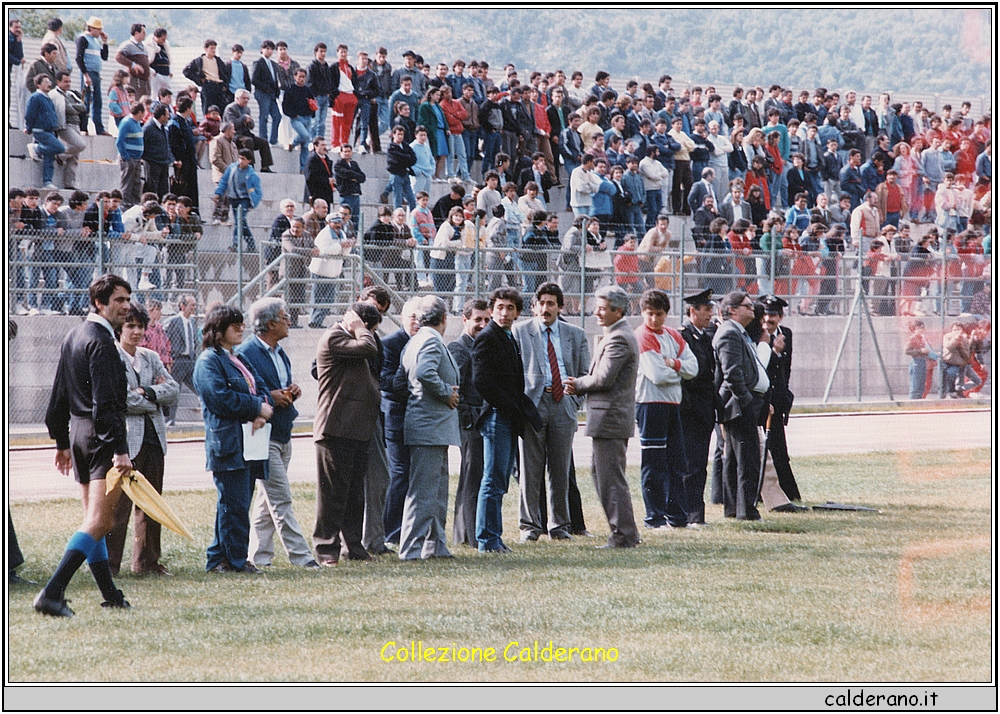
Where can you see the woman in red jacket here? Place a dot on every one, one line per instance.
(757, 176)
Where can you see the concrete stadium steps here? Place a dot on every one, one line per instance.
(99, 170)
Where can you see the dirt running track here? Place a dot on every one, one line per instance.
(32, 476)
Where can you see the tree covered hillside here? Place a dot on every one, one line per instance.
(894, 48)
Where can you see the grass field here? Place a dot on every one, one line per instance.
(899, 596)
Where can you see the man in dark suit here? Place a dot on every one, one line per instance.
(551, 350)
(86, 417)
(538, 173)
(377, 473)
(779, 372)
(741, 383)
(394, 414)
(272, 509)
(733, 207)
(346, 418)
(265, 88)
(498, 376)
(698, 402)
(475, 316)
(610, 386)
(704, 187)
(319, 173)
(182, 331)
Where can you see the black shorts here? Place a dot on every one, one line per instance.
(92, 459)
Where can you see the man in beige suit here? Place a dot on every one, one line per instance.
(346, 417)
(611, 412)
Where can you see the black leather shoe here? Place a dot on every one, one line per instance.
(560, 535)
(267, 170)
(529, 536)
(222, 567)
(56, 607)
(251, 569)
(119, 602)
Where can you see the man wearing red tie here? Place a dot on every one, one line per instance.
(551, 350)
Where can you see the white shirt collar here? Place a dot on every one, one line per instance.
(94, 317)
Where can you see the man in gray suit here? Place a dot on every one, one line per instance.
(741, 382)
(431, 425)
(185, 345)
(611, 412)
(551, 351)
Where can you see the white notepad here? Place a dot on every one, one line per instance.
(256, 444)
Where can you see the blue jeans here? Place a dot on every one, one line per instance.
(401, 191)
(383, 114)
(92, 100)
(241, 206)
(664, 463)
(49, 147)
(232, 519)
(398, 455)
(319, 121)
(354, 203)
(268, 105)
(469, 139)
(458, 163)
(654, 204)
(499, 452)
(364, 115)
(324, 291)
(300, 125)
(491, 147)
(49, 274)
(80, 276)
(918, 377)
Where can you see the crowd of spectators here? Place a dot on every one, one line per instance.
(777, 191)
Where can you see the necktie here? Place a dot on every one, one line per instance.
(557, 387)
(271, 68)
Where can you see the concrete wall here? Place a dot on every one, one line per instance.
(34, 354)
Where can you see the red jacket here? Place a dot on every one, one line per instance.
(454, 114)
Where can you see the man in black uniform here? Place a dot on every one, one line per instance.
(698, 402)
(86, 417)
(779, 370)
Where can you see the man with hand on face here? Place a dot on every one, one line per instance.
(551, 350)
(498, 375)
(779, 371)
(346, 418)
(610, 385)
(475, 316)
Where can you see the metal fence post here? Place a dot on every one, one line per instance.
(100, 237)
(943, 287)
(680, 279)
(239, 255)
(478, 257)
(361, 250)
(583, 276)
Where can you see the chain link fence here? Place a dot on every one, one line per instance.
(49, 273)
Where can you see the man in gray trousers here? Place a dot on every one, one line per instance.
(610, 387)
(431, 426)
(551, 351)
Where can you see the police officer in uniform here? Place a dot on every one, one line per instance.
(698, 401)
(778, 371)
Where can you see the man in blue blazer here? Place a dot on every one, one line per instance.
(551, 350)
(272, 509)
(394, 414)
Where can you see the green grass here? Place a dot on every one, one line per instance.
(898, 596)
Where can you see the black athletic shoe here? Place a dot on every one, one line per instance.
(56, 607)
